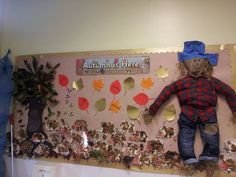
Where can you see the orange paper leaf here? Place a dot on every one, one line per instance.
(98, 85)
(147, 83)
(115, 106)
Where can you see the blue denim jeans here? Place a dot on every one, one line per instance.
(209, 135)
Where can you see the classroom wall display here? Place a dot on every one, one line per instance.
(94, 114)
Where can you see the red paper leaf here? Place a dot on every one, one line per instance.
(63, 80)
(83, 103)
(115, 87)
(141, 99)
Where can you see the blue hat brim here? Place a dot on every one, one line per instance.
(212, 58)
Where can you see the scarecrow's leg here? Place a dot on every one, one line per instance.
(210, 136)
(186, 136)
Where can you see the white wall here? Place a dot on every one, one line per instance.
(33, 26)
(1, 23)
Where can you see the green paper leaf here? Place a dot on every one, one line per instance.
(100, 105)
(78, 85)
(129, 83)
(133, 112)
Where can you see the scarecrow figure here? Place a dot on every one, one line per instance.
(197, 94)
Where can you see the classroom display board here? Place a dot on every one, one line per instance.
(98, 118)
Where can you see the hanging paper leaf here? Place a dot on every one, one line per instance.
(129, 84)
(100, 105)
(115, 106)
(63, 80)
(115, 87)
(98, 85)
(147, 83)
(162, 72)
(133, 112)
(141, 99)
(169, 113)
(83, 103)
(78, 85)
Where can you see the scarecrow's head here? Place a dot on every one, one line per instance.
(194, 61)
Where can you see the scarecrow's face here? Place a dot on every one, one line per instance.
(196, 65)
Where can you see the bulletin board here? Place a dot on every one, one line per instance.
(102, 96)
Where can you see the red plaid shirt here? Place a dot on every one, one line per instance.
(197, 97)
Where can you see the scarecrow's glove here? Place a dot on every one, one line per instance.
(146, 116)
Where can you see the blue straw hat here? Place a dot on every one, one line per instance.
(196, 49)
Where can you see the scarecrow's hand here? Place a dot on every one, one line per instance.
(234, 117)
(147, 117)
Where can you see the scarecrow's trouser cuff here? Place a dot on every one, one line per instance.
(190, 161)
(208, 158)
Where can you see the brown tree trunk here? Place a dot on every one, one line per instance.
(35, 122)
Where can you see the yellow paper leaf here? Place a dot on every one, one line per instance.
(147, 83)
(115, 106)
(98, 84)
(133, 112)
(162, 72)
(169, 113)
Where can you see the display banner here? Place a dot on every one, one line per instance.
(113, 65)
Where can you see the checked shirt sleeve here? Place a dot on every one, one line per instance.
(227, 91)
(164, 96)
